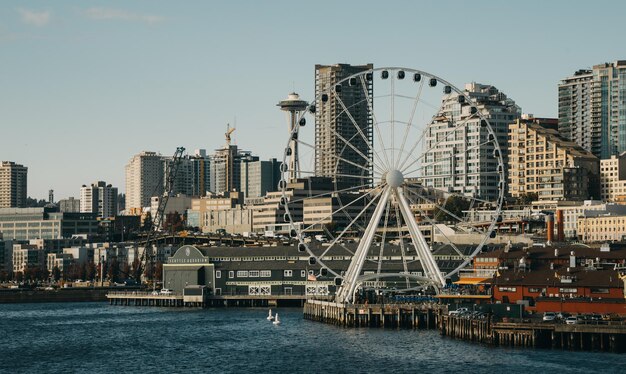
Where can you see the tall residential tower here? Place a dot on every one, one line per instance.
(334, 126)
(12, 185)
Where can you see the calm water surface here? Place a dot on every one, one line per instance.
(99, 338)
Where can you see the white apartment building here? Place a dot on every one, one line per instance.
(461, 163)
(99, 198)
(144, 179)
(12, 184)
(613, 178)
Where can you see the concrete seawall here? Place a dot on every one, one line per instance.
(60, 295)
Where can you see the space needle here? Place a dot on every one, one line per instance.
(293, 107)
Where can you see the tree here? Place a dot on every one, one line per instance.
(114, 270)
(173, 222)
(527, 198)
(452, 209)
(147, 222)
(158, 272)
(90, 271)
(56, 273)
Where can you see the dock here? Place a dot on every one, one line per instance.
(610, 337)
(148, 298)
(411, 316)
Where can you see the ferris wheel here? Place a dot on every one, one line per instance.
(392, 164)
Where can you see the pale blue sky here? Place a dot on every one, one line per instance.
(84, 85)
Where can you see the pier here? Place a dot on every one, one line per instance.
(412, 316)
(147, 298)
(609, 337)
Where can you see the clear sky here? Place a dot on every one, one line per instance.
(85, 85)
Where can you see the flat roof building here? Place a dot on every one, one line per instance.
(13, 185)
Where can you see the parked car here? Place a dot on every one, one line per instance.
(458, 311)
(549, 316)
(572, 320)
(165, 291)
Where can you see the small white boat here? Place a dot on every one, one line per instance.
(270, 317)
(276, 320)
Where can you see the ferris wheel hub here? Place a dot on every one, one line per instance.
(394, 178)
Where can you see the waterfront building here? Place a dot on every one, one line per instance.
(45, 223)
(613, 178)
(259, 177)
(13, 185)
(144, 179)
(571, 212)
(332, 123)
(591, 108)
(472, 170)
(62, 261)
(175, 204)
(601, 227)
(6, 255)
(570, 278)
(543, 163)
(277, 270)
(26, 256)
(220, 212)
(99, 198)
(69, 205)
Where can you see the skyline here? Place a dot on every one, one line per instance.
(87, 85)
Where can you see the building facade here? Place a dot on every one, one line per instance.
(333, 123)
(259, 177)
(461, 163)
(13, 185)
(543, 163)
(99, 198)
(592, 108)
(45, 223)
(144, 179)
(69, 205)
(613, 178)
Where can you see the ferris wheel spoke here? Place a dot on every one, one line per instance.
(410, 121)
(451, 156)
(332, 154)
(332, 244)
(402, 251)
(393, 123)
(422, 249)
(382, 243)
(329, 193)
(370, 107)
(355, 149)
(343, 207)
(450, 242)
(451, 131)
(357, 127)
(461, 221)
(313, 173)
(474, 198)
(421, 136)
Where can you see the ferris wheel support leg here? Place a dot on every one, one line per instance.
(346, 291)
(428, 261)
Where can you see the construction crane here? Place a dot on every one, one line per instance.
(149, 253)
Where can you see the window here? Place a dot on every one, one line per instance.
(265, 273)
(218, 273)
(231, 274)
(288, 273)
(568, 290)
(507, 289)
(242, 274)
(534, 290)
(253, 273)
(599, 290)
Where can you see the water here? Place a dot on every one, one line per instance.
(98, 338)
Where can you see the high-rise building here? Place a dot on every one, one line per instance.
(69, 205)
(226, 168)
(12, 185)
(144, 179)
(542, 162)
(613, 178)
(193, 177)
(99, 198)
(461, 163)
(592, 107)
(333, 125)
(259, 177)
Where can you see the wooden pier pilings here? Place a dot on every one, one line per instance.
(583, 337)
(375, 315)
